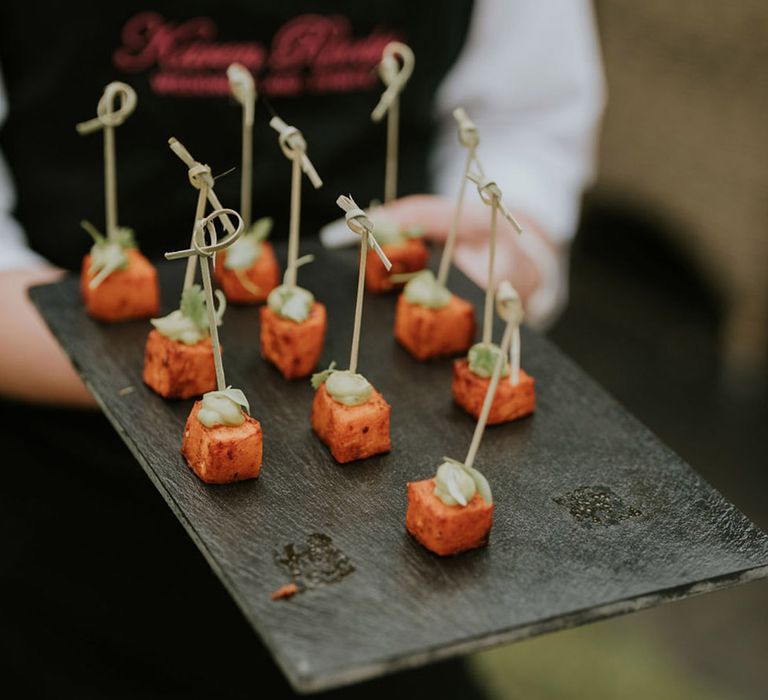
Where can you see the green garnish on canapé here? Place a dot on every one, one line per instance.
(294, 303)
(482, 359)
(226, 407)
(189, 323)
(107, 253)
(423, 289)
(343, 386)
(246, 250)
(456, 483)
(320, 377)
(388, 231)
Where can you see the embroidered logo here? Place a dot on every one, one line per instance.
(311, 53)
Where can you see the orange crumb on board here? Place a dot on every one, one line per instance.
(286, 591)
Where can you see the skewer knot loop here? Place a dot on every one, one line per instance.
(292, 142)
(509, 306)
(357, 220)
(199, 246)
(200, 175)
(490, 194)
(294, 147)
(359, 223)
(107, 115)
(468, 134)
(487, 189)
(394, 74)
(242, 87)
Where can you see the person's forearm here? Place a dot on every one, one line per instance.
(33, 367)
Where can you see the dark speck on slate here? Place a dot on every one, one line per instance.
(596, 505)
(315, 563)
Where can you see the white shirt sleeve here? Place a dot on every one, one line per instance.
(14, 250)
(530, 78)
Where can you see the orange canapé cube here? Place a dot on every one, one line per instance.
(176, 370)
(510, 402)
(294, 348)
(263, 275)
(352, 432)
(124, 294)
(409, 256)
(224, 453)
(425, 332)
(446, 529)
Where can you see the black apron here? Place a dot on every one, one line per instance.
(316, 67)
(104, 594)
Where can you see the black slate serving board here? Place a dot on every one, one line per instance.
(594, 517)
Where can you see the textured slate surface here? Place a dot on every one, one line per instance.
(594, 516)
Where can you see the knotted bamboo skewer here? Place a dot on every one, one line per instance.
(490, 194)
(243, 89)
(470, 139)
(394, 74)
(202, 252)
(508, 311)
(509, 307)
(107, 118)
(359, 223)
(294, 147)
(201, 179)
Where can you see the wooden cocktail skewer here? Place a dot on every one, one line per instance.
(202, 197)
(107, 119)
(510, 307)
(395, 76)
(203, 252)
(453, 483)
(470, 139)
(243, 89)
(359, 223)
(508, 310)
(200, 175)
(255, 280)
(294, 147)
(201, 179)
(458, 484)
(115, 257)
(222, 443)
(490, 194)
(344, 397)
(514, 357)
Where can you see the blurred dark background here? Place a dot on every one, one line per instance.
(669, 311)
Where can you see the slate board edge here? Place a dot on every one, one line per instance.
(336, 679)
(190, 529)
(313, 682)
(167, 497)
